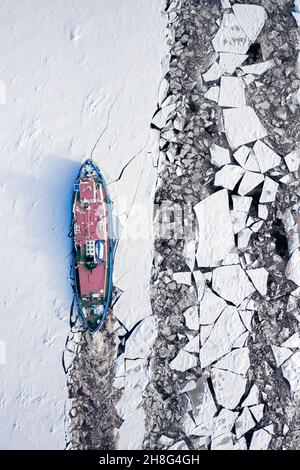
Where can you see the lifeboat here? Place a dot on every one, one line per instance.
(93, 245)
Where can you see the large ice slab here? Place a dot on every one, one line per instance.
(132, 431)
(244, 423)
(236, 361)
(219, 155)
(231, 283)
(183, 361)
(211, 306)
(259, 277)
(260, 440)
(251, 19)
(230, 37)
(229, 387)
(250, 181)
(226, 330)
(229, 176)
(204, 407)
(140, 342)
(281, 354)
(229, 62)
(214, 219)
(232, 92)
(265, 156)
(242, 125)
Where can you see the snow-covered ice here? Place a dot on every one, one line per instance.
(69, 79)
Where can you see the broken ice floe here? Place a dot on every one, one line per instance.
(237, 361)
(251, 18)
(259, 278)
(204, 407)
(183, 278)
(140, 342)
(263, 211)
(242, 126)
(269, 191)
(252, 397)
(230, 37)
(281, 354)
(211, 306)
(265, 156)
(229, 62)
(238, 221)
(231, 283)
(200, 282)
(191, 316)
(229, 387)
(244, 423)
(232, 92)
(260, 440)
(213, 73)
(213, 93)
(214, 218)
(183, 361)
(250, 181)
(219, 155)
(193, 346)
(292, 160)
(257, 411)
(292, 342)
(228, 176)
(241, 203)
(227, 329)
(257, 69)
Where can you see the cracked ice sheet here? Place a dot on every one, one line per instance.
(225, 332)
(232, 284)
(59, 119)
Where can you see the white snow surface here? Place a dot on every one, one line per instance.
(72, 69)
